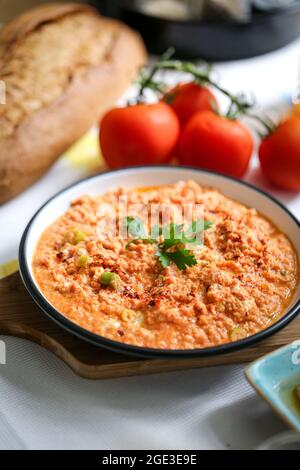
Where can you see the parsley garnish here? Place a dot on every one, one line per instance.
(173, 247)
(136, 229)
(182, 258)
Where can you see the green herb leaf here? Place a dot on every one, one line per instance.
(135, 227)
(156, 231)
(196, 228)
(163, 258)
(207, 224)
(182, 258)
(174, 237)
(200, 225)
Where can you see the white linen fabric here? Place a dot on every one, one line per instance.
(44, 405)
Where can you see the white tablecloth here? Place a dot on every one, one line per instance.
(44, 405)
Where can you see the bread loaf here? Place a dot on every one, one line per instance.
(63, 65)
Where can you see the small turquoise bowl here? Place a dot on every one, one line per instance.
(275, 377)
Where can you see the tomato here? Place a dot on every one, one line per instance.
(216, 143)
(186, 99)
(139, 135)
(279, 155)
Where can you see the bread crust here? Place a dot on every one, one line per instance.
(44, 135)
(12, 33)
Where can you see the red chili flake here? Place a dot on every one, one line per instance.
(130, 293)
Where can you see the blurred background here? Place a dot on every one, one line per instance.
(212, 29)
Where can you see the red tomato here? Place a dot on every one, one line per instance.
(216, 143)
(186, 99)
(139, 135)
(279, 155)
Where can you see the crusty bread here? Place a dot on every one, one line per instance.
(63, 66)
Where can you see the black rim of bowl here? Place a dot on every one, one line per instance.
(141, 351)
(258, 16)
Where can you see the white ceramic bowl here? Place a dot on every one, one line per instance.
(153, 176)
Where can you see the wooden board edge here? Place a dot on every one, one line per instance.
(124, 369)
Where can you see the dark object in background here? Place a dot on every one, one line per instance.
(107, 7)
(192, 39)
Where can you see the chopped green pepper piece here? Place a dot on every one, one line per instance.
(75, 236)
(83, 261)
(111, 279)
(79, 236)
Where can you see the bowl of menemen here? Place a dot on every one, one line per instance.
(164, 262)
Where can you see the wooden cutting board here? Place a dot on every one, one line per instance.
(19, 316)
